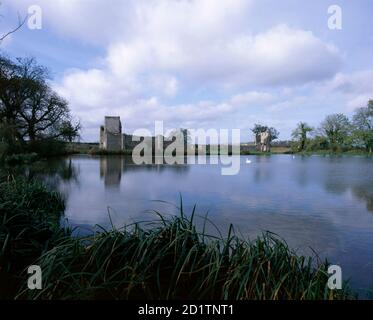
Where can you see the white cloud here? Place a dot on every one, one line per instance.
(137, 71)
(279, 56)
(251, 97)
(96, 98)
(162, 51)
(356, 88)
(288, 104)
(202, 40)
(102, 22)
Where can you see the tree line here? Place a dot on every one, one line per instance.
(337, 132)
(33, 117)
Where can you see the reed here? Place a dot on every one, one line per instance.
(29, 225)
(171, 259)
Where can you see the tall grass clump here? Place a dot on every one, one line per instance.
(171, 259)
(29, 225)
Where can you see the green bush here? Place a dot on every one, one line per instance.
(21, 158)
(317, 143)
(8, 143)
(47, 147)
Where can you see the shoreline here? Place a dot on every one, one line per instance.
(29, 158)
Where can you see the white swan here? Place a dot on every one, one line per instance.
(248, 161)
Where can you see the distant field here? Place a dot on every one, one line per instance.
(280, 149)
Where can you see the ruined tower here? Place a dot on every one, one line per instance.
(111, 137)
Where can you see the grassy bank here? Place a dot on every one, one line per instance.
(164, 259)
(356, 152)
(99, 152)
(93, 149)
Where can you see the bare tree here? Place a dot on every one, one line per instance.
(29, 104)
(21, 22)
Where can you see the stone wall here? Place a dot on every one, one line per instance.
(113, 142)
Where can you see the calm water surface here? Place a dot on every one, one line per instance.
(323, 203)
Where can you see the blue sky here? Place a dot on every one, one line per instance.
(200, 64)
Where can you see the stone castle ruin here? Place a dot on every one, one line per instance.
(111, 137)
(263, 141)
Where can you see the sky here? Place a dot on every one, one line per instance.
(224, 64)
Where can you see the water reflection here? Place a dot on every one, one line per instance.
(263, 170)
(365, 193)
(346, 175)
(111, 170)
(336, 175)
(113, 167)
(54, 172)
(321, 202)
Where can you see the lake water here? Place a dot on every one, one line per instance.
(319, 202)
